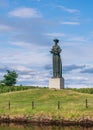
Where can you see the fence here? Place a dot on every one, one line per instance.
(58, 105)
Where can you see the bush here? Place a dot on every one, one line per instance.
(83, 90)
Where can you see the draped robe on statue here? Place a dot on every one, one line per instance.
(57, 65)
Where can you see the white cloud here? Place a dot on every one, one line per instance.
(77, 52)
(5, 27)
(70, 23)
(24, 12)
(77, 39)
(55, 34)
(21, 68)
(25, 77)
(26, 53)
(21, 44)
(76, 79)
(69, 10)
(78, 86)
(33, 55)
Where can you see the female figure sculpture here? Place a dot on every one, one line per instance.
(57, 64)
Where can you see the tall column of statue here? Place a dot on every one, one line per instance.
(57, 81)
(57, 64)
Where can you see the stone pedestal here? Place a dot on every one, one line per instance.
(56, 83)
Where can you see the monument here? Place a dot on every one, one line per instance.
(57, 81)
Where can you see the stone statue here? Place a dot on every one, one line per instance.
(57, 65)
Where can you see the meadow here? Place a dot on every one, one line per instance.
(44, 103)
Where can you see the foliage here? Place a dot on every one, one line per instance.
(4, 89)
(83, 90)
(10, 78)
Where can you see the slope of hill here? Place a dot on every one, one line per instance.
(53, 104)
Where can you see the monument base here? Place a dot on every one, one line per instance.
(56, 83)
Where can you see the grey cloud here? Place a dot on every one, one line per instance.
(69, 68)
(24, 72)
(3, 69)
(28, 75)
(48, 67)
(87, 70)
(80, 82)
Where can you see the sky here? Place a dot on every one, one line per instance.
(27, 30)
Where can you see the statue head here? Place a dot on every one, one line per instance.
(56, 41)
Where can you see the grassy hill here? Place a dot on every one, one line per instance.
(72, 104)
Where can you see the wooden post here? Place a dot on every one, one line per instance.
(58, 104)
(33, 105)
(86, 101)
(9, 105)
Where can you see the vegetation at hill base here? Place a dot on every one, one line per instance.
(42, 103)
(83, 90)
(5, 89)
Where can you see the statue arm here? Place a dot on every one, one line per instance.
(52, 50)
(59, 49)
(56, 50)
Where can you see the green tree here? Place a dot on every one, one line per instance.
(10, 78)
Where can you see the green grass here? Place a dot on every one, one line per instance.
(4, 89)
(72, 104)
(83, 90)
